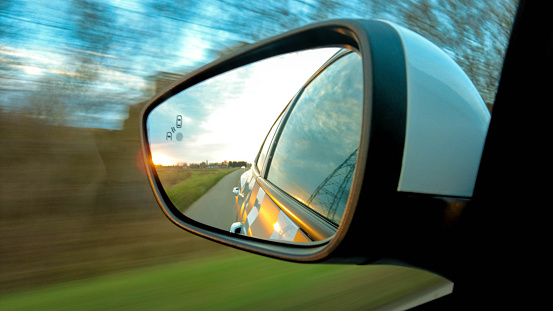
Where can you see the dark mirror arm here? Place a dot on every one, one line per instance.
(428, 229)
(411, 230)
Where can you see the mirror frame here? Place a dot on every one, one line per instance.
(380, 152)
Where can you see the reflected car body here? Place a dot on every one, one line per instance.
(261, 217)
(303, 197)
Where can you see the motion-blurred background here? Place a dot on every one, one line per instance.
(76, 212)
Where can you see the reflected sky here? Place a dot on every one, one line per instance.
(227, 117)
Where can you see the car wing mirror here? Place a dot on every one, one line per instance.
(392, 132)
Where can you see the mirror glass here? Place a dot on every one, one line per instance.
(266, 150)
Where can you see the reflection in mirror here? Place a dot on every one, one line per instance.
(316, 152)
(213, 143)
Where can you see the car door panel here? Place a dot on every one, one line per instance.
(262, 217)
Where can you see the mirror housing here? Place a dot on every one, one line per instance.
(423, 131)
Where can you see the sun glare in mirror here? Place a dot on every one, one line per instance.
(163, 160)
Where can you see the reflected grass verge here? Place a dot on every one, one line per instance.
(232, 281)
(185, 186)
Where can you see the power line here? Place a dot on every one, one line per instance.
(330, 192)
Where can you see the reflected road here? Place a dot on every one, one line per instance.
(216, 207)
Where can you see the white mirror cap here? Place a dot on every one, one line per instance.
(447, 122)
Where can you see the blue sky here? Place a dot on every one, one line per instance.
(40, 43)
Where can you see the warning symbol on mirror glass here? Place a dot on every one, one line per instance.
(179, 136)
(179, 121)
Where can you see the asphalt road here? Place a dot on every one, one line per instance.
(216, 207)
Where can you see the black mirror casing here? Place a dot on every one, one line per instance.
(379, 222)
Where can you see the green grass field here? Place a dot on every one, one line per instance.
(234, 281)
(185, 186)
